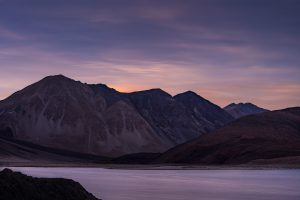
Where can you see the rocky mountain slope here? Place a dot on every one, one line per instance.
(261, 138)
(180, 118)
(202, 110)
(61, 113)
(16, 186)
(243, 109)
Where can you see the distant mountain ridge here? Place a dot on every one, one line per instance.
(92, 118)
(243, 109)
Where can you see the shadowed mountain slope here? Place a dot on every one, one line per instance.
(168, 117)
(210, 115)
(179, 118)
(255, 138)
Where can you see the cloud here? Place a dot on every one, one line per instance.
(224, 51)
(9, 34)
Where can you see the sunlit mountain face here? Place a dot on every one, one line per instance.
(227, 51)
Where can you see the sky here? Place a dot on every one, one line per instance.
(224, 50)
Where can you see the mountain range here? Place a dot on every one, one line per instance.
(57, 120)
(62, 113)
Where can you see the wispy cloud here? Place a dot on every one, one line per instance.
(9, 34)
(224, 51)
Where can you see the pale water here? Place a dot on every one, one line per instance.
(116, 184)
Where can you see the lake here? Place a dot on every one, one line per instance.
(118, 184)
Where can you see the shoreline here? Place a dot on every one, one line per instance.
(152, 166)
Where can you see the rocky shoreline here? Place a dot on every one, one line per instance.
(16, 186)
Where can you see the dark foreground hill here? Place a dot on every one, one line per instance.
(269, 137)
(17, 186)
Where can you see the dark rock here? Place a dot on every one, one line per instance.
(17, 186)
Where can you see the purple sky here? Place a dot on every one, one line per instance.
(226, 51)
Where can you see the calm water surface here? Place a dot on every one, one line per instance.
(116, 184)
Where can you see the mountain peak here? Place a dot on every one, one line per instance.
(102, 87)
(230, 105)
(243, 109)
(154, 91)
(57, 78)
(248, 104)
(241, 104)
(190, 94)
